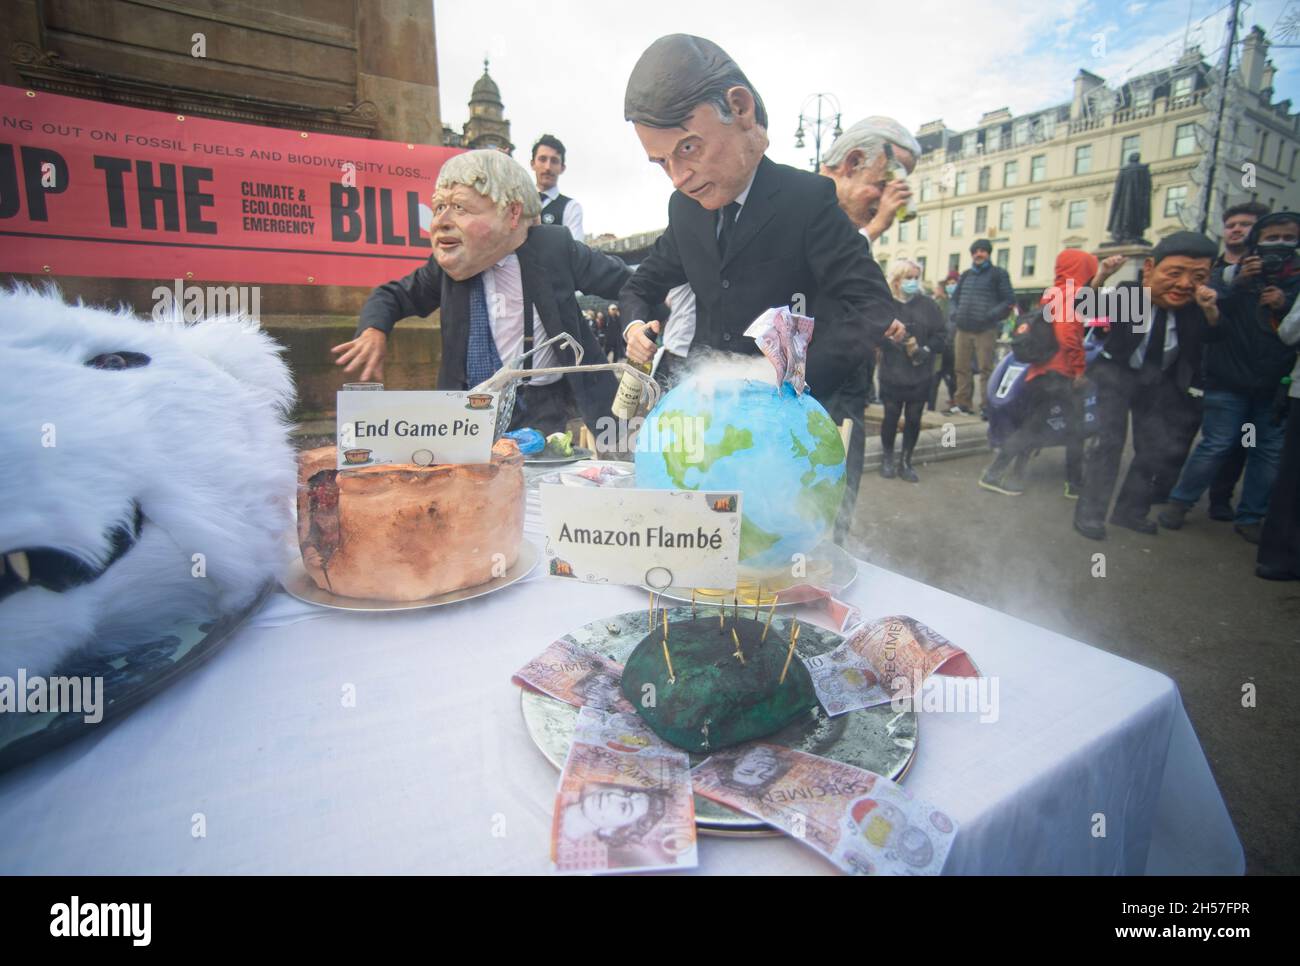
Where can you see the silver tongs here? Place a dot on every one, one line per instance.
(505, 381)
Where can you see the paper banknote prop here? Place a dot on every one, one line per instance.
(886, 658)
(864, 823)
(623, 805)
(574, 676)
(783, 337)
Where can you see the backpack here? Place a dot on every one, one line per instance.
(1033, 340)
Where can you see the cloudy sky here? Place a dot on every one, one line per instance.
(562, 67)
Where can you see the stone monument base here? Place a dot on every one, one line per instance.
(1135, 252)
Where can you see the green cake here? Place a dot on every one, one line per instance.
(715, 699)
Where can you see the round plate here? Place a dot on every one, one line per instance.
(542, 460)
(878, 739)
(829, 567)
(131, 674)
(298, 583)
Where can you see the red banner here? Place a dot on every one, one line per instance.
(88, 188)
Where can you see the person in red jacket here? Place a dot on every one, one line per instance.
(1057, 381)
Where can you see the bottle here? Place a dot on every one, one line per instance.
(628, 397)
(896, 172)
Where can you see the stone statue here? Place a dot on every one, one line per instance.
(1130, 207)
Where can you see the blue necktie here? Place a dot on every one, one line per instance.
(482, 358)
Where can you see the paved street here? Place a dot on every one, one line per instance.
(1185, 603)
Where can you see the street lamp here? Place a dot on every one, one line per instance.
(818, 119)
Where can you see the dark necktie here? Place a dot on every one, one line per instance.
(542, 195)
(1156, 340)
(481, 356)
(728, 227)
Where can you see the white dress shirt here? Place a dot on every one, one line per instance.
(504, 290)
(572, 213)
(679, 330)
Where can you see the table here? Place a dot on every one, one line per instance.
(430, 769)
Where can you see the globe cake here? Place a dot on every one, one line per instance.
(402, 532)
(720, 692)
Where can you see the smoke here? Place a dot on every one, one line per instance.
(709, 368)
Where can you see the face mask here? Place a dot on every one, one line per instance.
(910, 286)
(950, 289)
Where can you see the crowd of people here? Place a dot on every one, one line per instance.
(1200, 341)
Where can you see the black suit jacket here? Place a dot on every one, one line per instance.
(1194, 330)
(791, 238)
(552, 266)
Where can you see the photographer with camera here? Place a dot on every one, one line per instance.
(1245, 364)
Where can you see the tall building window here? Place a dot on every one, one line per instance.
(922, 227)
(1184, 140)
(954, 262)
(984, 178)
(1033, 212)
(1021, 131)
(1083, 159)
(981, 219)
(961, 183)
(1037, 168)
(920, 260)
(1182, 86)
(993, 139)
(1174, 198)
(1010, 174)
(1131, 143)
(1006, 211)
(927, 189)
(958, 222)
(883, 239)
(1029, 261)
(1003, 259)
(902, 232)
(1078, 214)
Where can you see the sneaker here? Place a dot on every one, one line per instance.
(1007, 487)
(954, 410)
(1137, 524)
(1222, 512)
(887, 465)
(1172, 516)
(1249, 531)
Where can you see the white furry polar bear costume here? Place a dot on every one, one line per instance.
(129, 447)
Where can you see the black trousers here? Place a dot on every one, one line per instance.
(1279, 539)
(946, 375)
(850, 403)
(1165, 420)
(1041, 394)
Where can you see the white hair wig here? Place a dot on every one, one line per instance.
(900, 267)
(869, 136)
(495, 175)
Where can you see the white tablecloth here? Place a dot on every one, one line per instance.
(432, 769)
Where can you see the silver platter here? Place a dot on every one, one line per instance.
(297, 583)
(878, 739)
(579, 453)
(829, 566)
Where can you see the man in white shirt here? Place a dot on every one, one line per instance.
(557, 209)
(503, 284)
